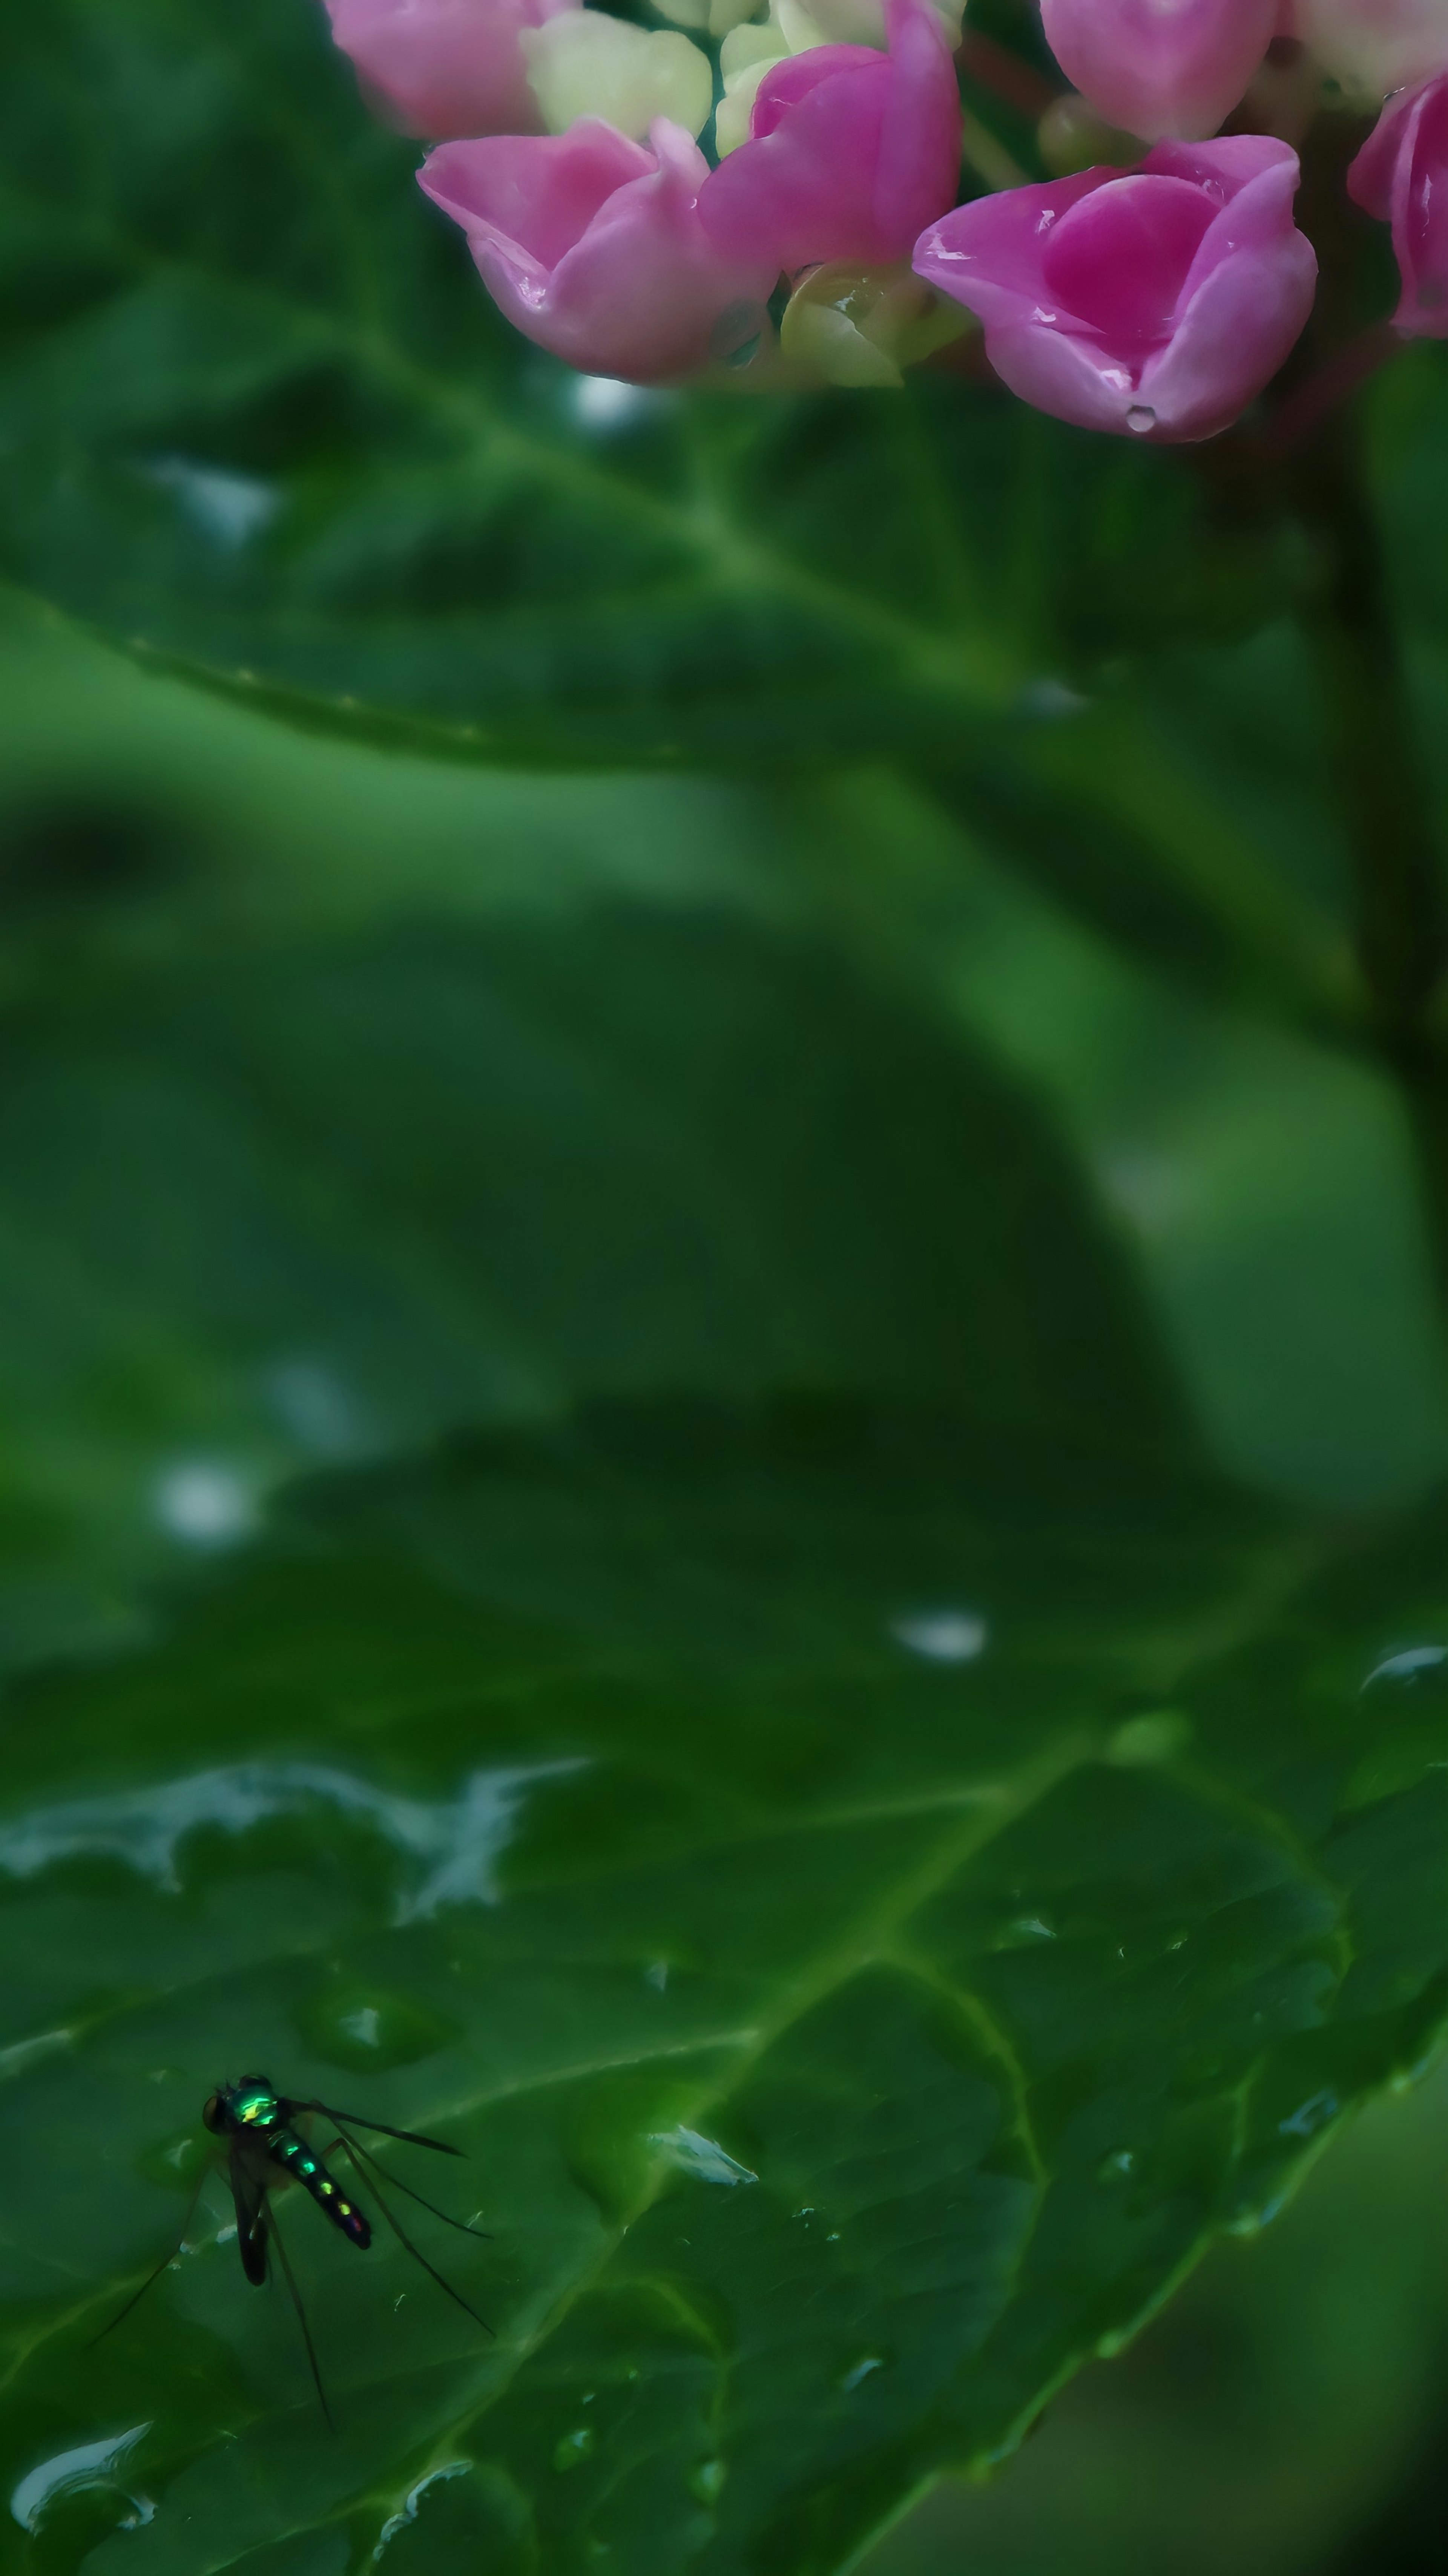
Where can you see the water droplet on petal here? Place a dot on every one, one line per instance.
(736, 335)
(604, 402)
(1141, 418)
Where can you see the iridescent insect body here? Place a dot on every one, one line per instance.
(265, 2150)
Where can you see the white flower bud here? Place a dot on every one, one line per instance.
(1374, 46)
(861, 326)
(584, 63)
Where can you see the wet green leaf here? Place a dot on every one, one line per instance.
(870, 1893)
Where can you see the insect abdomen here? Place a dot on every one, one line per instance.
(296, 2158)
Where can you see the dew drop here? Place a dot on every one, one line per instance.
(366, 2027)
(941, 1636)
(1116, 2166)
(1141, 418)
(205, 1503)
(399, 2521)
(1408, 1667)
(1310, 2116)
(707, 2483)
(702, 2157)
(574, 2447)
(90, 2465)
(860, 2371)
(1025, 1929)
(1158, 1737)
(605, 402)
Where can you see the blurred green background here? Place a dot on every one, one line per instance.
(1285, 2413)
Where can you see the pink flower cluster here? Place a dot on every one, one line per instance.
(1153, 294)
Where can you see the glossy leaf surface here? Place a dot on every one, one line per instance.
(261, 426)
(842, 1875)
(871, 1879)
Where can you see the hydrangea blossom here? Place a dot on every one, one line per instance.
(775, 189)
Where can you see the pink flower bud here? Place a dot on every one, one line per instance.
(1401, 176)
(593, 246)
(1160, 67)
(445, 67)
(851, 152)
(1155, 302)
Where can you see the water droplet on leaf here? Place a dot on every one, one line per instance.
(89, 2466)
(1409, 1667)
(1156, 1737)
(1310, 2116)
(365, 2028)
(702, 2157)
(574, 2447)
(941, 1636)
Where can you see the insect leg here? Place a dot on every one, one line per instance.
(409, 2137)
(405, 2240)
(164, 2265)
(356, 2148)
(269, 2222)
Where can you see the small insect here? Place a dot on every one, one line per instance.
(265, 2151)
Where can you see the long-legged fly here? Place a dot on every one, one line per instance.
(265, 2150)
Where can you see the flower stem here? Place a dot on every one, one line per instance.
(1382, 794)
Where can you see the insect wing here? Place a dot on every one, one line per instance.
(248, 2192)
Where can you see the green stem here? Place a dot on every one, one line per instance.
(1382, 795)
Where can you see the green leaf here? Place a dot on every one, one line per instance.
(869, 1894)
(268, 1198)
(262, 427)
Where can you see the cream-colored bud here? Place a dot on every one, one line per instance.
(707, 17)
(1374, 46)
(584, 63)
(732, 115)
(747, 46)
(830, 22)
(804, 23)
(861, 326)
